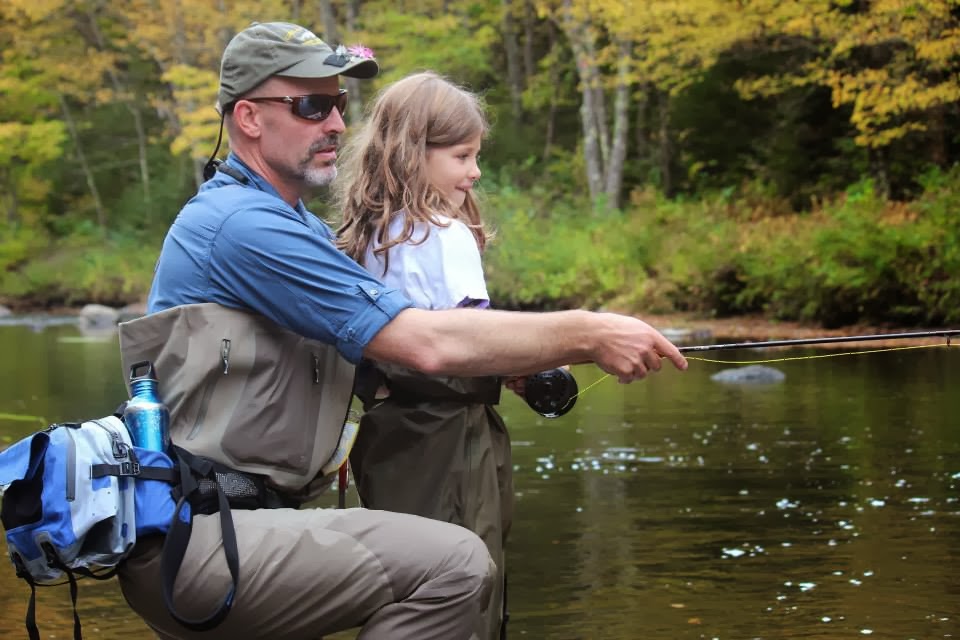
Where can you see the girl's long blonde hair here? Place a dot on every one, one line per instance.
(383, 170)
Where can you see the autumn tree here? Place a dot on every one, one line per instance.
(893, 63)
(44, 43)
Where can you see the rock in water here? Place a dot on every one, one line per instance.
(98, 316)
(752, 374)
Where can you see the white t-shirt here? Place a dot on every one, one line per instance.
(442, 272)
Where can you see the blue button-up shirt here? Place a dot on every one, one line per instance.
(238, 244)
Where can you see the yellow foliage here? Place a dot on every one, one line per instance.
(36, 142)
(195, 93)
(918, 42)
(33, 10)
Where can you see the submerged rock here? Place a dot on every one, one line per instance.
(96, 316)
(132, 311)
(751, 374)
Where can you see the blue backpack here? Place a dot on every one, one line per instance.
(76, 496)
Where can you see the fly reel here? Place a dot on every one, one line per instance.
(551, 393)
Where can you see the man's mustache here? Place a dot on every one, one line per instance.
(332, 140)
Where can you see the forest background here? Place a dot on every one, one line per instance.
(795, 159)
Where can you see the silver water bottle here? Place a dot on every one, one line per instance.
(146, 417)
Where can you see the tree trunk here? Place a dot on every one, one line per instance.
(354, 86)
(600, 113)
(329, 18)
(591, 143)
(84, 165)
(512, 52)
(331, 33)
(642, 135)
(529, 31)
(189, 107)
(879, 170)
(134, 110)
(937, 136)
(226, 33)
(581, 43)
(621, 126)
(554, 81)
(666, 146)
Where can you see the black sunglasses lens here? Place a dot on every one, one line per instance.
(318, 106)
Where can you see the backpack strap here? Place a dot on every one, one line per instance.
(192, 469)
(54, 560)
(133, 468)
(31, 619)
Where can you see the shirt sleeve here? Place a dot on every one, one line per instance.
(442, 272)
(290, 271)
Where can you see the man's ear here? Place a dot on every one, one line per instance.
(247, 118)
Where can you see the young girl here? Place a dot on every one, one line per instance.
(431, 446)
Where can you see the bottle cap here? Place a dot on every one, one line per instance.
(151, 373)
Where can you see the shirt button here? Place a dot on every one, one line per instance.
(374, 292)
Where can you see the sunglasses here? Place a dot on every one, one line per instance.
(316, 106)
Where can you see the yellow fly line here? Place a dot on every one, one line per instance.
(813, 357)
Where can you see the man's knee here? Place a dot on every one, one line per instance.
(482, 567)
(469, 568)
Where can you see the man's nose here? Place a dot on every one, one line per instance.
(334, 122)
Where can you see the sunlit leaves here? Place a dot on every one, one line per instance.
(195, 92)
(446, 41)
(35, 142)
(891, 63)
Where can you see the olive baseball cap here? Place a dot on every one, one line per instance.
(270, 49)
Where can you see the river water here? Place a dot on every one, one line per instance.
(824, 506)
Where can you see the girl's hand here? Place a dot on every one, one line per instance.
(517, 384)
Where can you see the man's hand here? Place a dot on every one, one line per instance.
(629, 348)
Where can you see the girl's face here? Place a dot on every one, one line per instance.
(453, 170)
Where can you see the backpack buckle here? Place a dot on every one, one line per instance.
(118, 446)
(130, 468)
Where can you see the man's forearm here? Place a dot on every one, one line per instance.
(469, 342)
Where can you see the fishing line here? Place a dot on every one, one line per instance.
(791, 358)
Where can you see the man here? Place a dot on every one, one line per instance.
(255, 321)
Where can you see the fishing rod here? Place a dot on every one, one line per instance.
(825, 340)
(553, 393)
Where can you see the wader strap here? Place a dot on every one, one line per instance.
(175, 544)
(506, 614)
(342, 479)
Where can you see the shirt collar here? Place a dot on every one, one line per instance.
(254, 180)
